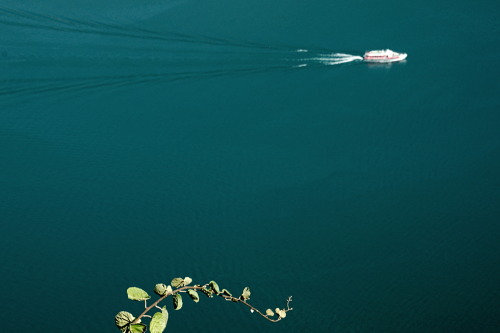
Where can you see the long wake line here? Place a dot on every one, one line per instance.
(64, 24)
(33, 20)
(172, 51)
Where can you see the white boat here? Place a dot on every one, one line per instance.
(382, 56)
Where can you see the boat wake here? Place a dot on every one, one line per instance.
(125, 54)
(328, 59)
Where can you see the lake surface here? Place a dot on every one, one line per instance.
(242, 141)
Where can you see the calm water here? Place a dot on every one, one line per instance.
(141, 141)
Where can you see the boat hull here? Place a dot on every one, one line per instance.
(395, 58)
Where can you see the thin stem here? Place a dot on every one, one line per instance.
(263, 315)
(234, 299)
(288, 308)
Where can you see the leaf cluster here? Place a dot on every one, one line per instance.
(127, 323)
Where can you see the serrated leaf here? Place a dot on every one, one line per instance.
(187, 280)
(177, 300)
(138, 328)
(246, 293)
(194, 295)
(177, 282)
(161, 289)
(269, 312)
(214, 287)
(159, 321)
(137, 294)
(123, 320)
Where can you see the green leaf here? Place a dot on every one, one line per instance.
(137, 328)
(137, 294)
(177, 299)
(194, 295)
(159, 321)
(161, 289)
(226, 292)
(177, 282)
(215, 287)
(123, 320)
(187, 280)
(246, 294)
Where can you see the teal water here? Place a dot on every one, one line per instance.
(144, 141)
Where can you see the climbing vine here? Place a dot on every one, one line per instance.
(127, 323)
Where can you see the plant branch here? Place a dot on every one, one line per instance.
(227, 297)
(234, 299)
(136, 320)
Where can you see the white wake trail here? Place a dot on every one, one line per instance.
(328, 59)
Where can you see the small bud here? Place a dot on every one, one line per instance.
(246, 294)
